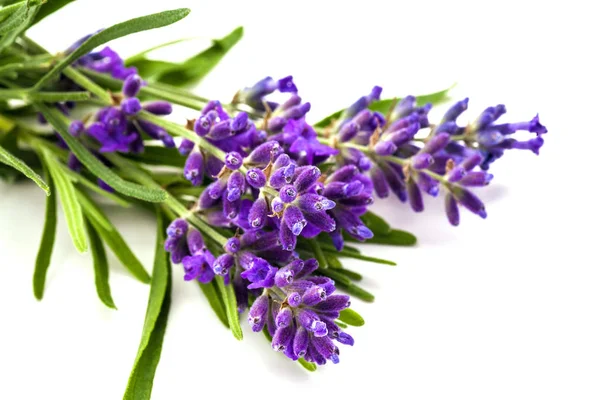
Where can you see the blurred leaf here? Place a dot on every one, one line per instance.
(384, 105)
(42, 261)
(194, 69)
(139, 386)
(12, 28)
(116, 31)
(355, 276)
(130, 61)
(9, 159)
(340, 324)
(49, 7)
(230, 302)
(70, 204)
(150, 69)
(96, 167)
(158, 155)
(375, 223)
(210, 290)
(333, 261)
(351, 317)
(310, 366)
(318, 253)
(356, 291)
(100, 268)
(53, 97)
(396, 237)
(348, 254)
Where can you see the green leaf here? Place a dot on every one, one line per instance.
(131, 61)
(150, 69)
(96, 167)
(70, 204)
(79, 178)
(17, 23)
(116, 31)
(195, 68)
(351, 317)
(100, 267)
(53, 97)
(310, 366)
(230, 302)
(158, 155)
(8, 159)
(9, 10)
(42, 261)
(333, 261)
(335, 275)
(210, 290)
(139, 386)
(318, 252)
(384, 105)
(93, 212)
(356, 291)
(355, 276)
(49, 7)
(375, 223)
(348, 254)
(396, 237)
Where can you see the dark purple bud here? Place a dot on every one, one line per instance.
(297, 112)
(232, 245)
(344, 338)
(414, 195)
(452, 209)
(288, 193)
(294, 299)
(456, 173)
(534, 144)
(168, 141)
(223, 264)
(279, 179)
(422, 161)
(314, 203)
(159, 108)
(472, 161)
(343, 174)
(436, 143)
(204, 123)
(476, 178)
(193, 170)
(186, 147)
(469, 201)
(385, 148)
(132, 85)
(322, 221)
(489, 137)
(257, 315)
(379, 183)
(282, 161)
(263, 153)
(257, 216)
(455, 111)
(428, 184)
(177, 228)
(311, 322)
(154, 131)
(287, 238)
(314, 295)
(336, 302)
(307, 178)
(286, 85)
(348, 131)
(239, 122)
(300, 343)
(284, 317)
(276, 124)
(220, 130)
(310, 266)
(233, 160)
(195, 241)
(256, 178)
(283, 338)
(277, 205)
(76, 128)
(294, 219)
(131, 106)
(364, 163)
(284, 276)
(236, 184)
(73, 163)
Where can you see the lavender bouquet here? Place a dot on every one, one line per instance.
(258, 205)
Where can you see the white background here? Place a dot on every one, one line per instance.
(506, 308)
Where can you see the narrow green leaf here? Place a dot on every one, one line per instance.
(100, 267)
(351, 317)
(79, 178)
(310, 366)
(355, 276)
(42, 261)
(16, 17)
(116, 31)
(197, 67)
(96, 167)
(384, 105)
(319, 255)
(8, 159)
(49, 8)
(53, 97)
(333, 261)
(335, 275)
(375, 223)
(210, 290)
(150, 69)
(131, 61)
(357, 256)
(10, 9)
(93, 212)
(356, 291)
(158, 155)
(340, 324)
(22, 20)
(231, 310)
(396, 237)
(70, 205)
(139, 386)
